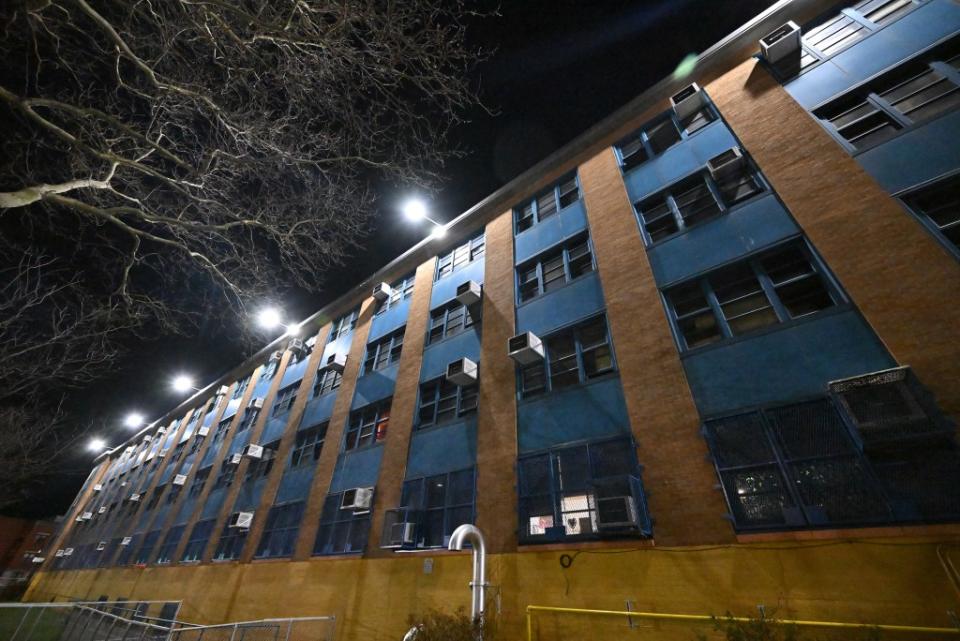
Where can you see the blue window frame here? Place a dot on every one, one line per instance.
(344, 325)
(225, 475)
(250, 415)
(308, 445)
(554, 268)
(775, 286)
(170, 542)
(383, 352)
(260, 468)
(660, 134)
(342, 531)
(269, 368)
(583, 491)
(545, 204)
(220, 433)
(199, 536)
(328, 379)
(199, 480)
(126, 551)
(440, 503)
(909, 94)
(452, 319)
(937, 205)
(285, 399)
(368, 425)
(230, 545)
(242, 386)
(146, 549)
(402, 290)
(572, 356)
(280, 532)
(442, 401)
(462, 255)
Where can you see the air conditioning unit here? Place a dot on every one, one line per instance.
(203, 431)
(234, 459)
(336, 362)
(123, 484)
(781, 42)
(37, 559)
(382, 292)
(59, 553)
(161, 431)
(525, 349)
(79, 519)
(729, 162)
(311, 342)
(688, 101)
(615, 512)
(126, 540)
(86, 516)
(134, 498)
(276, 356)
(357, 499)
(101, 546)
(180, 479)
(462, 372)
(222, 390)
(402, 534)
(469, 293)
(257, 403)
(254, 452)
(297, 347)
(241, 520)
(98, 487)
(102, 510)
(68, 552)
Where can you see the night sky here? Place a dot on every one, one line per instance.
(558, 68)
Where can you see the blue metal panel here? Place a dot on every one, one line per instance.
(294, 373)
(579, 299)
(239, 442)
(295, 484)
(437, 356)
(339, 346)
(262, 387)
(684, 158)
(359, 468)
(571, 220)
(446, 288)
(167, 473)
(231, 408)
(249, 496)
(785, 364)
(443, 449)
(745, 229)
(903, 39)
(211, 455)
(589, 411)
(318, 409)
(927, 152)
(274, 427)
(208, 419)
(213, 503)
(393, 318)
(375, 386)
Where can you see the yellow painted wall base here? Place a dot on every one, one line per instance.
(891, 581)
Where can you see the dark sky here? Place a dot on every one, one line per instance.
(558, 68)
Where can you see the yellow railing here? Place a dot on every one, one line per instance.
(703, 618)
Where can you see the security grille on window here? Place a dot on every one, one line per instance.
(199, 536)
(546, 204)
(308, 445)
(441, 503)
(342, 531)
(659, 135)
(442, 401)
(695, 200)
(230, 545)
(384, 351)
(462, 255)
(285, 399)
(572, 356)
(328, 379)
(343, 325)
(938, 207)
(554, 268)
(368, 425)
(773, 287)
(452, 319)
(280, 531)
(402, 290)
(170, 542)
(914, 92)
(582, 492)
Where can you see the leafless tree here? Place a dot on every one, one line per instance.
(167, 160)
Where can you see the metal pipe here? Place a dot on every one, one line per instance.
(471, 534)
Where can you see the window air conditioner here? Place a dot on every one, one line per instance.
(462, 372)
(257, 403)
(68, 552)
(722, 165)
(147, 438)
(357, 499)
(382, 292)
(222, 390)
(781, 42)
(180, 479)
(297, 347)
(525, 349)
(59, 553)
(688, 101)
(98, 487)
(37, 560)
(102, 510)
(311, 342)
(79, 519)
(276, 356)
(403, 534)
(336, 362)
(469, 293)
(241, 520)
(101, 546)
(203, 431)
(235, 459)
(254, 452)
(86, 516)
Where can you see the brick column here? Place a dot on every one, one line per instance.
(497, 412)
(403, 408)
(681, 483)
(96, 476)
(902, 280)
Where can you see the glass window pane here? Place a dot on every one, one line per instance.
(663, 136)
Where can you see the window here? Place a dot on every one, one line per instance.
(462, 255)
(170, 542)
(341, 531)
(368, 425)
(402, 290)
(155, 497)
(280, 532)
(269, 369)
(221, 432)
(343, 325)
(178, 452)
(797, 466)
(938, 206)
(249, 416)
(242, 386)
(198, 540)
(230, 544)
(441, 401)
(442, 503)
(571, 356)
(546, 204)
(195, 446)
(308, 445)
(149, 541)
(659, 135)
(126, 551)
(172, 494)
(452, 319)
(694, 200)
(913, 92)
(328, 379)
(260, 468)
(383, 352)
(196, 487)
(226, 474)
(285, 399)
(554, 268)
(773, 287)
(563, 491)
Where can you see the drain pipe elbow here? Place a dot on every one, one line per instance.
(471, 534)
